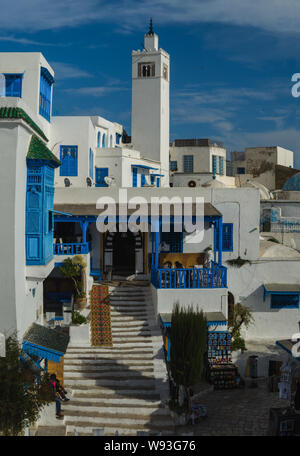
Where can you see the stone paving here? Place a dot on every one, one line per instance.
(239, 412)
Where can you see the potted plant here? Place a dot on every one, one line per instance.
(74, 269)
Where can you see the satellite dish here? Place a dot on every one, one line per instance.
(109, 180)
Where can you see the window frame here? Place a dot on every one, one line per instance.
(188, 168)
(277, 296)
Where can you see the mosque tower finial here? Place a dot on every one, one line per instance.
(151, 32)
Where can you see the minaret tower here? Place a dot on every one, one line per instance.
(150, 123)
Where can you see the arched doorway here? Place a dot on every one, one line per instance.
(230, 304)
(123, 253)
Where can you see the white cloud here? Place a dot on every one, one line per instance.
(33, 15)
(99, 91)
(68, 71)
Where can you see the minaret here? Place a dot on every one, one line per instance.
(150, 123)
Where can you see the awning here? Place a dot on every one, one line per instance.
(46, 343)
(213, 318)
(143, 167)
(287, 345)
(281, 288)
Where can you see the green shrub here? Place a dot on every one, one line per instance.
(77, 318)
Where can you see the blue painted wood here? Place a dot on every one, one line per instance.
(13, 84)
(190, 278)
(134, 177)
(91, 164)
(100, 174)
(69, 161)
(72, 248)
(143, 180)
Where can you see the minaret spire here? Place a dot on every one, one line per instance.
(151, 32)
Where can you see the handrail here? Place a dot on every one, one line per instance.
(73, 248)
(189, 278)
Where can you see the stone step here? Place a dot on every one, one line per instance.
(115, 411)
(106, 363)
(114, 369)
(125, 357)
(97, 350)
(86, 430)
(121, 383)
(125, 422)
(108, 393)
(118, 375)
(106, 401)
(135, 331)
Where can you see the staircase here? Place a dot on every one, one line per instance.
(120, 388)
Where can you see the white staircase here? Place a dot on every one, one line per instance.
(120, 388)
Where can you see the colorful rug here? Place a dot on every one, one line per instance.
(100, 316)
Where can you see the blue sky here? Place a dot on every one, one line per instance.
(231, 61)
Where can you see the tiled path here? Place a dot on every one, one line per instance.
(236, 412)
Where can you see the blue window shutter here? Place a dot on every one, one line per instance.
(69, 160)
(214, 164)
(91, 164)
(134, 177)
(158, 182)
(13, 84)
(100, 174)
(188, 163)
(284, 301)
(152, 180)
(104, 140)
(143, 180)
(227, 237)
(221, 165)
(46, 81)
(98, 139)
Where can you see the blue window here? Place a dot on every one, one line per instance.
(134, 177)
(188, 163)
(152, 180)
(173, 165)
(221, 165)
(39, 214)
(173, 240)
(69, 160)
(104, 140)
(100, 174)
(240, 170)
(284, 301)
(227, 243)
(118, 138)
(158, 182)
(143, 180)
(46, 81)
(214, 164)
(91, 164)
(98, 139)
(13, 85)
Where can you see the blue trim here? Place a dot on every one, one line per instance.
(98, 139)
(69, 161)
(214, 323)
(91, 164)
(143, 167)
(42, 352)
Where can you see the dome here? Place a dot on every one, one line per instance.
(293, 183)
(269, 249)
(263, 191)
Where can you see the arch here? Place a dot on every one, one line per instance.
(99, 139)
(230, 308)
(104, 140)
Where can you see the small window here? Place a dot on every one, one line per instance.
(214, 164)
(227, 244)
(13, 85)
(104, 140)
(146, 70)
(98, 139)
(240, 170)
(284, 301)
(188, 163)
(173, 165)
(165, 72)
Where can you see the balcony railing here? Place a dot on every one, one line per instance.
(190, 278)
(72, 248)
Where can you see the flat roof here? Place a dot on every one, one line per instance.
(52, 339)
(282, 287)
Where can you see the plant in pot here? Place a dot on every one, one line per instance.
(74, 269)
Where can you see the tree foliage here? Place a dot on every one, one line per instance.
(188, 346)
(21, 396)
(73, 268)
(242, 317)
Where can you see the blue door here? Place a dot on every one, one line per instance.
(101, 173)
(69, 160)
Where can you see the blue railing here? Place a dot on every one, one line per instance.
(189, 278)
(72, 249)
